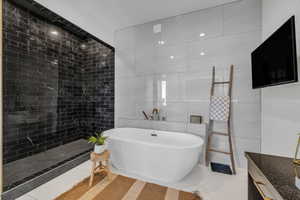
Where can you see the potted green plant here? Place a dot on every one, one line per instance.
(99, 141)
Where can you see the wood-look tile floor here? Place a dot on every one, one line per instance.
(211, 186)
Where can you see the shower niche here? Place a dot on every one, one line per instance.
(58, 89)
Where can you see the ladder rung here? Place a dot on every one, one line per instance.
(218, 133)
(223, 82)
(218, 151)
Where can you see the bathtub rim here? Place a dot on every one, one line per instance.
(198, 145)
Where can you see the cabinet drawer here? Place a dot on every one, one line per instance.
(265, 188)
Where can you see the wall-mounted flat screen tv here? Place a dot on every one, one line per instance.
(275, 61)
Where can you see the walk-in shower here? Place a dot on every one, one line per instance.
(58, 88)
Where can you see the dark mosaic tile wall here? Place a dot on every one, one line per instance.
(98, 88)
(55, 91)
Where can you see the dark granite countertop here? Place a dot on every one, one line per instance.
(280, 171)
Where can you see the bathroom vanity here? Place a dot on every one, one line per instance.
(271, 178)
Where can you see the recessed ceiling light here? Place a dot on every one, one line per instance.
(202, 54)
(161, 42)
(202, 34)
(172, 57)
(54, 32)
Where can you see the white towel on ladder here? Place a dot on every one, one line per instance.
(219, 108)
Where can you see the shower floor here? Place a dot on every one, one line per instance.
(20, 171)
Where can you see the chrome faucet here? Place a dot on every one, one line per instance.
(155, 110)
(155, 114)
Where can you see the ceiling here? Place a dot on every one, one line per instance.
(117, 14)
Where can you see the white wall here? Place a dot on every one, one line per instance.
(232, 31)
(77, 14)
(280, 104)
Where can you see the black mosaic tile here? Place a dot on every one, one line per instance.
(55, 90)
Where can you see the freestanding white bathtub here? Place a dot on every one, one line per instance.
(160, 155)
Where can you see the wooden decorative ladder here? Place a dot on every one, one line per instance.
(220, 113)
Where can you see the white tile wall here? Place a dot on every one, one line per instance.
(280, 104)
(232, 32)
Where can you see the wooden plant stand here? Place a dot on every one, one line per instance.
(102, 160)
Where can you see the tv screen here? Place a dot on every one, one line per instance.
(275, 61)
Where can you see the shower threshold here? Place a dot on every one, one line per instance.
(21, 176)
